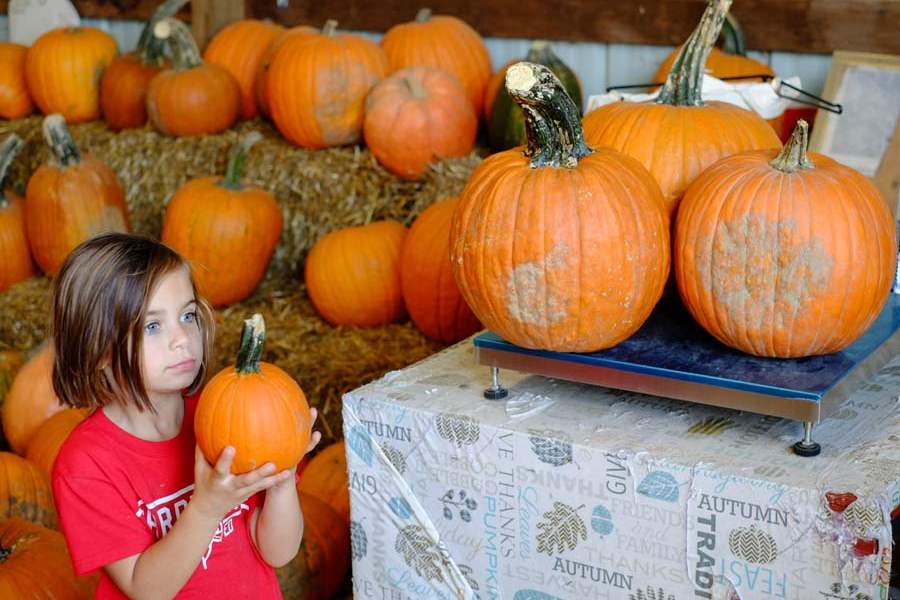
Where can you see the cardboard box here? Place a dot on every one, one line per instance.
(568, 491)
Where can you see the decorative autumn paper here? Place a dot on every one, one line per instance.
(572, 491)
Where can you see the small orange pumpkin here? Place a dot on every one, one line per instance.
(255, 407)
(69, 200)
(326, 478)
(25, 492)
(784, 254)
(353, 275)
(416, 116)
(430, 292)
(63, 69)
(212, 221)
(441, 42)
(265, 63)
(15, 102)
(44, 445)
(30, 401)
(193, 97)
(16, 264)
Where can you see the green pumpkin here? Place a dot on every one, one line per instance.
(506, 127)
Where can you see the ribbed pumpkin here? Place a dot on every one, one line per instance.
(417, 116)
(10, 363)
(15, 102)
(25, 492)
(35, 563)
(326, 478)
(69, 200)
(240, 47)
(495, 84)
(193, 97)
(124, 85)
(48, 439)
(353, 275)
(677, 135)
(225, 229)
(262, 72)
(319, 569)
(441, 42)
(561, 247)
(430, 292)
(318, 86)
(30, 401)
(784, 256)
(63, 69)
(506, 123)
(16, 264)
(254, 407)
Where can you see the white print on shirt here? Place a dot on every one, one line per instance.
(161, 514)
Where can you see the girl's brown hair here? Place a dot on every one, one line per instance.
(99, 302)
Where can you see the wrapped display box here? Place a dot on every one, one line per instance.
(567, 491)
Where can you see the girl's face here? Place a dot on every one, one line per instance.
(172, 349)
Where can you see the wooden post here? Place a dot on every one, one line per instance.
(887, 178)
(209, 16)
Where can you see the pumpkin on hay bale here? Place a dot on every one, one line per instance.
(17, 264)
(15, 101)
(30, 400)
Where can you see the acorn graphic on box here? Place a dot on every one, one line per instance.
(752, 545)
(551, 447)
(459, 429)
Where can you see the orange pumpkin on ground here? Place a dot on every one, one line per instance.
(16, 264)
(254, 407)
(63, 69)
(417, 116)
(430, 292)
(212, 221)
(15, 102)
(240, 47)
(318, 86)
(559, 247)
(265, 63)
(353, 275)
(69, 200)
(193, 97)
(784, 254)
(24, 492)
(48, 439)
(325, 477)
(30, 401)
(441, 42)
(677, 135)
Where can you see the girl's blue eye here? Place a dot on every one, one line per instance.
(189, 317)
(151, 327)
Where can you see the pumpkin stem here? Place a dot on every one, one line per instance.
(185, 54)
(423, 16)
(733, 36)
(793, 156)
(57, 135)
(330, 27)
(552, 125)
(252, 338)
(236, 159)
(684, 84)
(150, 49)
(415, 87)
(9, 149)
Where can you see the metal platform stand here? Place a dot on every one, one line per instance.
(672, 357)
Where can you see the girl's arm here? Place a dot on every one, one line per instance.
(164, 568)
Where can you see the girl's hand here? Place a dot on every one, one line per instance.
(217, 490)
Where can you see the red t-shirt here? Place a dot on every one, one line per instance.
(117, 494)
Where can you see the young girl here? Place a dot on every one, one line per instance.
(135, 496)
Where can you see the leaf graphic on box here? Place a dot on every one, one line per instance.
(651, 594)
(752, 545)
(863, 519)
(712, 426)
(359, 543)
(659, 485)
(400, 507)
(533, 595)
(459, 429)
(562, 529)
(420, 553)
(551, 447)
(467, 572)
(361, 444)
(395, 457)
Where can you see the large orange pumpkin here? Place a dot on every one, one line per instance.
(44, 445)
(430, 292)
(255, 407)
(30, 401)
(441, 42)
(69, 200)
(25, 492)
(15, 102)
(16, 264)
(193, 97)
(319, 569)
(326, 478)
(225, 229)
(239, 47)
(416, 116)
(677, 135)
(353, 275)
(560, 247)
(784, 254)
(123, 87)
(318, 86)
(262, 71)
(35, 563)
(63, 69)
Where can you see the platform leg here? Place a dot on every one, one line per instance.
(496, 391)
(807, 447)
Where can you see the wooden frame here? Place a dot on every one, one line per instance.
(887, 179)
